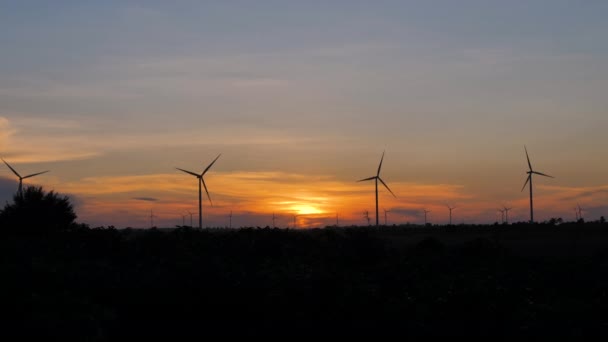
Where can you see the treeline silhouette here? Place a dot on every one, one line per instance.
(102, 284)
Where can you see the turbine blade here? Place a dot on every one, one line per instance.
(526, 183)
(205, 186)
(366, 179)
(190, 172)
(380, 166)
(208, 167)
(35, 174)
(527, 157)
(542, 174)
(15, 172)
(386, 186)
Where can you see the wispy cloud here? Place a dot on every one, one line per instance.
(147, 199)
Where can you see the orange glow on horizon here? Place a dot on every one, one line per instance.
(254, 197)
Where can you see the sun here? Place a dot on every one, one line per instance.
(305, 209)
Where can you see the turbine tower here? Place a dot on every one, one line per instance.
(425, 212)
(580, 212)
(152, 216)
(366, 216)
(450, 208)
(20, 188)
(506, 214)
(294, 220)
(230, 220)
(189, 212)
(385, 216)
(273, 220)
(377, 178)
(530, 172)
(502, 215)
(200, 195)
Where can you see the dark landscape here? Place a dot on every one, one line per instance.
(500, 281)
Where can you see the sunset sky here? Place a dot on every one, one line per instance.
(301, 98)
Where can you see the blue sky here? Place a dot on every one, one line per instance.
(451, 89)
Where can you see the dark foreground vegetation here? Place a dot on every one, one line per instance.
(497, 281)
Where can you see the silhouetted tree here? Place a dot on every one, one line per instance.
(37, 211)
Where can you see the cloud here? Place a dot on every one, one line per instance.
(148, 199)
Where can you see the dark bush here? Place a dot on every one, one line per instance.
(35, 210)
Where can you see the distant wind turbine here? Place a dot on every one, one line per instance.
(152, 216)
(385, 216)
(377, 178)
(20, 188)
(580, 212)
(450, 208)
(189, 212)
(502, 213)
(530, 172)
(425, 212)
(507, 214)
(337, 220)
(200, 195)
(294, 220)
(230, 220)
(366, 216)
(273, 220)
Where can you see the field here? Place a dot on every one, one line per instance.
(495, 281)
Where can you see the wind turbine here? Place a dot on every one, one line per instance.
(366, 216)
(189, 212)
(450, 208)
(273, 220)
(502, 213)
(20, 188)
(385, 216)
(425, 212)
(377, 178)
(506, 214)
(580, 212)
(200, 195)
(230, 220)
(337, 220)
(294, 220)
(530, 172)
(152, 216)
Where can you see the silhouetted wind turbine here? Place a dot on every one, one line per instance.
(507, 214)
(502, 213)
(576, 214)
(425, 212)
(294, 220)
(20, 188)
(530, 172)
(337, 220)
(366, 216)
(580, 211)
(230, 220)
(273, 220)
(189, 212)
(450, 208)
(152, 216)
(377, 178)
(385, 216)
(200, 194)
